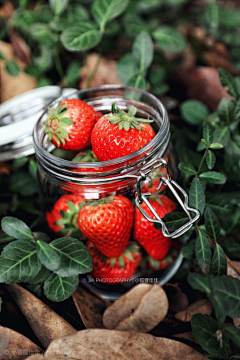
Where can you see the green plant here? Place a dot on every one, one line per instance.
(216, 195)
(34, 259)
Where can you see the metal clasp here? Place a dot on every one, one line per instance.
(172, 185)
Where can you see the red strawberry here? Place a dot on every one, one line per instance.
(152, 181)
(115, 270)
(151, 239)
(119, 133)
(69, 126)
(63, 218)
(108, 223)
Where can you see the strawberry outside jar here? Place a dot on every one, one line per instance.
(106, 201)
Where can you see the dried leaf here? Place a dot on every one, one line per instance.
(106, 72)
(201, 306)
(90, 307)
(202, 83)
(179, 302)
(186, 336)
(7, 9)
(21, 49)
(36, 357)
(119, 345)
(14, 345)
(45, 323)
(13, 85)
(141, 309)
(218, 56)
(124, 306)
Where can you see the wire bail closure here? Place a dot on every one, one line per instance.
(172, 185)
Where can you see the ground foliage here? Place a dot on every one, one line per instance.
(177, 50)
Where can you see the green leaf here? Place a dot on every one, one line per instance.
(173, 221)
(57, 288)
(203, 252)
(196, 195)
(234, 334)
(187, 168)
(142, 50)
(137, 81)
(198, 282)
(193, 111)
(126, 68)
(237, 110)
(105, 10)
(81, 37)
(216, 146)
(207, 134)
(212, 224)
(40, 32)
(219, 204)
(210, 159)
(189, 250)
(32, 168)
(73, 72)
(19, 262)
(219, 261)
(16, 228)
(204, 330)
(213, 177)
(226, 291)
(227, 81)
(221, 135)
(23, 183)
(226, 110)
(48, 257)
(170, 39)
(40, 277)
(75, 256)
(58, 6)
(12, 68)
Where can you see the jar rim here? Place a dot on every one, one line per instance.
(159, 138)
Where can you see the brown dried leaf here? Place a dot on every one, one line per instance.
(202, 83)
(106, 72)
(218, 56)
(186, 336)
(179, 302)
(124, 306)
(201, 306)
(11, 86)
(5, 168)
(90, 307)
(7, 9)
(35, 357)
(99, 344)
(45, 323)
(21, 49)
(14, 345)
(151, 310)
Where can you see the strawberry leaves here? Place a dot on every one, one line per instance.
(32, 260)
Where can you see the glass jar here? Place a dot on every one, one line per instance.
(122, 176)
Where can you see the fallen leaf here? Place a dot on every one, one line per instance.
(7, 9)
(90, 307)
(202, 83)
(106, 72)
(179, 302)
(36, 357)
(15, 346)
(13, 85)
(21, 49)
(124, 306)
(218, 56)
(45, 323)
(186, 336)
(99, 344)
(5, 168)
(201, 306)
(140, 311)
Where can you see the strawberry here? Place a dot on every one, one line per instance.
(152, 181)
(85, 156)
(162, 264)
(63, 218)
(70, 124)
(152, 239)
(108, 223)
(119, 133)
(115, 270)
